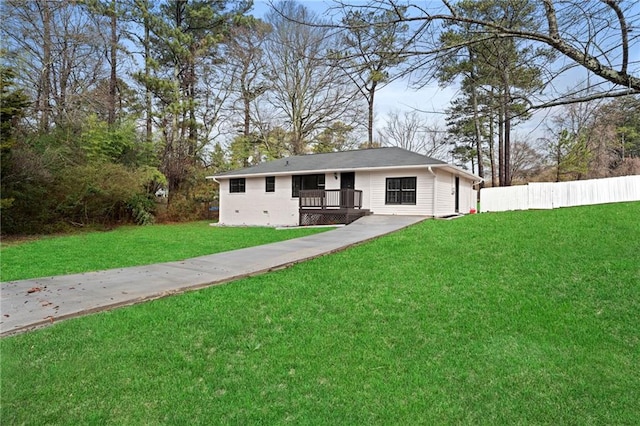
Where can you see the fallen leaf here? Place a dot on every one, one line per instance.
(34, 289)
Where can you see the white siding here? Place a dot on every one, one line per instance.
(435, 196)
(363, 183)
(424, 193)
(445, 193)
(330, 181)
(255, 207)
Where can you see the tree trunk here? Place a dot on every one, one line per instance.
(506, 100)
(147, 74)
(478, 134)
(173, 148)
(113, 82)
(372, 93)
(45, 79)
(492, 154)
(507, 146)
(297, 144)
(501, 145)
(193, 124)
(558, 161)
(247, 113)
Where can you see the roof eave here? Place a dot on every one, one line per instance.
(460, 171)
(455, 169)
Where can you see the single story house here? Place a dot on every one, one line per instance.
(339, 187)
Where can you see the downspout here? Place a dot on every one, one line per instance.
(435, 191)
(213, 178)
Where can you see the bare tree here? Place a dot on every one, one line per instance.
(245, 60)
(618, 123)
(568, 144)
(308, 89)
(412, 131)
(526, 161)
(58, 52)
(595, 139)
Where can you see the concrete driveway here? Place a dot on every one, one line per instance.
(28, 304)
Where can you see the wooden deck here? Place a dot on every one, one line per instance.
(330, 206)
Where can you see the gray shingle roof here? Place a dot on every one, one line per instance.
(346, 160)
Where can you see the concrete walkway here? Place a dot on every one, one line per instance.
(28, 304)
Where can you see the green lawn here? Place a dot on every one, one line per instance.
(507, 318)
(131, 246)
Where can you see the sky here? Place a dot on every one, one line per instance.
(396, 96)
(434, 100)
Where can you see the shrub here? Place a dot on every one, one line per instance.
(142, 208)
(183, 209)
(95, 193)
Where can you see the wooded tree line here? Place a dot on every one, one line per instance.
(104, 102)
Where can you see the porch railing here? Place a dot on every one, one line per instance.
(330, 199)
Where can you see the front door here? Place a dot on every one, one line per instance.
(347, 181)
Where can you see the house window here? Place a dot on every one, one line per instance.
(401, 190)
(299, 182)
(270, 184)
(236, 185)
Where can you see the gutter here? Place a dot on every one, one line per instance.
(349, 169)
(213, 178)
(458, 171)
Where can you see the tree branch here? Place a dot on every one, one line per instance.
(552, 38)
(604, 95)
(624, 33)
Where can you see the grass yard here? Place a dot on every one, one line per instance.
(131, 246)
(506, 318)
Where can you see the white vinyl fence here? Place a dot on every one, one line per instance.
(551, 195)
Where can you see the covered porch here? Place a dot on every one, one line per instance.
(330, 206)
